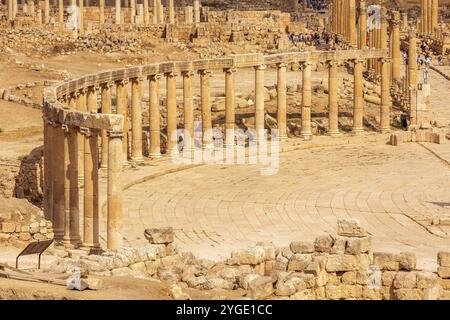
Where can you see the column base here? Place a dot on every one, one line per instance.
(91, 249)
(333, 134)
(155, 155)
(358, 131)
(139, 159)
(306, 136)
(385, 130)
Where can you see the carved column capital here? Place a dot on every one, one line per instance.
(115, 134)
(65, 128)
(154, 77)
(86, 132)
(204, 73)
(358, 61)
(230, 70)
(332, 63)
(261, 67)
(188, 73)
(281, 65)
(171, 74)
(385, 60)
(122, 82)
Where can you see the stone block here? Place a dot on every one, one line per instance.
(299, 262)
(426, 280)
(176, 292)
(25, 236)
(333, 292)
(320, 293)
(350, 228)
(260, 268)
(253, 256)
(307, 294)
(434, 293)
(34, 227)
(445, 284)
(302, 281)
(407, 261)
(269, 267)
(121, 272)
(159, 235)
(444, 272)
(358, 245)
(219, 283)
(341, 262)
(370, 294)
(269, 252)
(285, 288)
(139, 266)
(8, 227)
(349, 277)
(301, 247)
(339, 245)
(386, 261)
(405, 280)
(323, 244)
(387, 278)
(407, 294)
(94, 283)
(281, 263)
(362, 277)
(245, 279)
(260, 288)
(151, 267)
(443, 259)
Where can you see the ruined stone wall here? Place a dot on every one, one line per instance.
(334, 267)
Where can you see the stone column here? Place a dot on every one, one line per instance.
(281, 100)
(101, 4)
(196, 11)
(171, 95)
(81, 106)
(81, 18)
(155, 138)
(188, 15)
(146, 13)
(430, 16)
(205, 76)
(106, 108)
(435, 15)
(115, 190)
(396, 54)
(404, 20)
(188, 107)
(352, 23)
(72, 216)
(424, 19)
(91, 204)
(160, 12)
(412, 60)
(136, 120)
(362, 25)
(61, 11)
(358, 100)
(259, 101)
(333, 109)
(230, 117)
(132, 11)
(48, 160)
(58, 174)
(171, 12)
(306, 104)
(46, 11)
(118, 9)
(155, 12)
(122, 109)
(385, 96)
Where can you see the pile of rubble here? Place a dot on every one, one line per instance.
(341, 266)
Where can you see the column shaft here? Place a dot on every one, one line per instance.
(48, 182)
(155, 138)
(396, 55)
(206, 108)
(188, 109)
(146, 13)
(230, 116)
(362, 25)
(122, 109)
(136, 120)
(281, 100)
(101, 5)
(106, 108)
(358, 96)
(171, 86)
(352, 23)
(58, 174)
(333, 110)
(259, 101)
(118, 18)
(115, 190)
(385, 97)
(81, 106)
(171, 12)
(306, 104)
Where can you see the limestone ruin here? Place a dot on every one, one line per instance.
(227, 149)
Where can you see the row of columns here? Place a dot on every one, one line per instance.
(343, 19)
(429, 16)
(192, 15)
(72, 157)
(71, 163)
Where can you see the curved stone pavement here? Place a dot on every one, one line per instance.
(215, 209)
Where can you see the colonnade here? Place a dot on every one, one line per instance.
(157, 10)
(82, 134)
(429, 16)
(343, 20)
